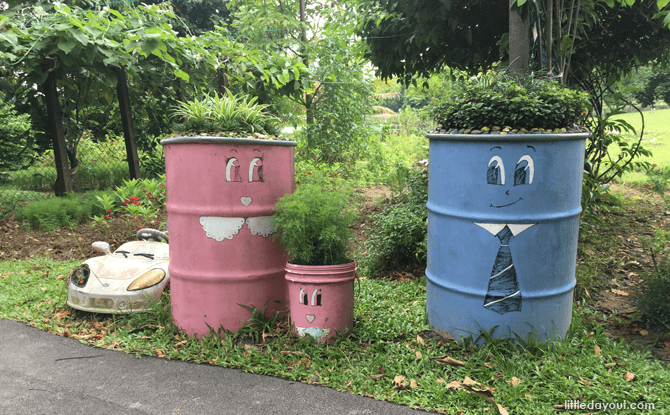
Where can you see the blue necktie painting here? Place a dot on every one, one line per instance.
(503, 222)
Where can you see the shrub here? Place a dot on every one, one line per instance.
(653, 297)
(496, 99)
(16, 137)
(58, 212)
(313, 224)
(397, 235)
(233, 114)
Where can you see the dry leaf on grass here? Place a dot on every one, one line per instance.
(419, 340)
(629, 376)
(413, 384)
(515, 381)
(419, 355)
(597, 350)
(586, 382)
(490, 365)
(448, 360)
(619, 292)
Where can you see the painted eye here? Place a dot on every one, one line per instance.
(495, 174)
(316, 298)
(256, 170)
(525, 169)
(232, 171)
(303, 297)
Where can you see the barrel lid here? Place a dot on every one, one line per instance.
(227, 140)
(509, 137)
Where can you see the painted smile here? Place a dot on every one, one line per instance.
(510, 204)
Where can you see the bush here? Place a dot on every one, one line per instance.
(397, 235)
(653, 297)
(16, 137)
(58, 212)
(496, 99)
(313, 224)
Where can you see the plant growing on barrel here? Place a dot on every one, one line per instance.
(234, 114)
(495, 101)
(314, 225)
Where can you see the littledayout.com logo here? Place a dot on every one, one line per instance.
(607, 406)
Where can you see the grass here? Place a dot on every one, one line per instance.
(656, 139)
(389, 339)
(90, 175)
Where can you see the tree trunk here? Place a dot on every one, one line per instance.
(55, 123)
(519, 40)
(127, 122)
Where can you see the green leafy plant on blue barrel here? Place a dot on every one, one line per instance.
(495, 99)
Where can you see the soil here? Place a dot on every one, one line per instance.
(623, 265)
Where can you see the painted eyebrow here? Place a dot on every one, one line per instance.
(232, 149)
(532, 148)
(257, 150)
(495, 147)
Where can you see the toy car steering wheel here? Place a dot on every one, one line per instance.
(148, 234)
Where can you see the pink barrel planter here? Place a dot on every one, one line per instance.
(220, 197)
(321, 298)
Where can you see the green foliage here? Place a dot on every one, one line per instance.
(16, 137)
(653, 296)
(58, 212)
(660, 182)
(496, 99)
(229, 113)
(313, 224)
(396, 237)
(657, 87)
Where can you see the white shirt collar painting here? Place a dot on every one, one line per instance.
(515, 228)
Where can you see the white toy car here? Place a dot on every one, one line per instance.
(125, 281)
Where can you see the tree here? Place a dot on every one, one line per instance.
(415, 38)
(333, 88)
(588, 44)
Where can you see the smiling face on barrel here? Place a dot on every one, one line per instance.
(513, 174)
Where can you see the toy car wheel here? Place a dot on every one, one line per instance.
(148, 234)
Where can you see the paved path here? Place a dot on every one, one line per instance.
(38, 375)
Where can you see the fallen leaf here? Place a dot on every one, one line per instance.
(619, 292)
(597, 350)
(212, 361)
(502, 410)
(529, 396)
(490, 365)
(561, 406)
(413, 384)
(448, 361)
(515, 381)
(629, 376)
(644, 332)
(439, 380)
(159, 353)
(586, 382)
(419, 340)
(377, 377)
(397, 380)
(5, 275)
(419, 355)
(43, 288)
(60, 277)
(454, 384)
(497, 376)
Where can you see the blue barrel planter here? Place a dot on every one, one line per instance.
(503, 222)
